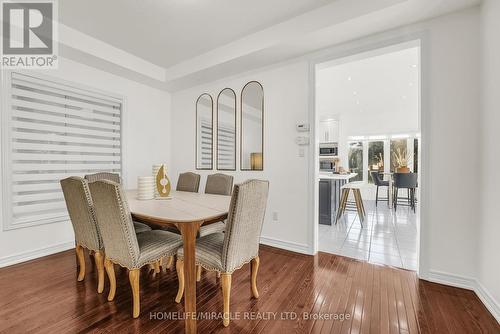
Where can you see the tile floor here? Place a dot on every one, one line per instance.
(388, 237)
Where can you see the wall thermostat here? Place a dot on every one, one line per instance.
(302, 127)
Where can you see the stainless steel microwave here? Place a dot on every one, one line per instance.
(328, 150)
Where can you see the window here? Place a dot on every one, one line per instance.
(356, 160)
(54, 130)
(375, 158)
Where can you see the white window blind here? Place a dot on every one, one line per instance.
(206, 144)
(226, 147)
(56, 130)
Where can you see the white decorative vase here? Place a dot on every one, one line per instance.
(146, 187)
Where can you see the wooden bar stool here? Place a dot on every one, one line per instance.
(360, 208)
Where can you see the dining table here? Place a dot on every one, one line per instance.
(186, 211)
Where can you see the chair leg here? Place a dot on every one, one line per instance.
(198, 273)
(133, 276)
(99, 263)
(167, 264)
(376, 198)
(254, 268)
(180, 275)
(342, 204)
(396, 190)
(81, 262)
(157, 267)
(226, 295)
(110, 270)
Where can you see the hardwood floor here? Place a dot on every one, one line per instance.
(44, 296)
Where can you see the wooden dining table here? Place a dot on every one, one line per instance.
(185, 211)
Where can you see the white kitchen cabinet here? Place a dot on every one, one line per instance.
(329, 131)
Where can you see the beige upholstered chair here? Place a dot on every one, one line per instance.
(81, 213)
(123, 246)
(188, 182)
(219, 184)
(139, 227)
(227, 252)
(103, 176)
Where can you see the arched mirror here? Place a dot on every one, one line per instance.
(226, 130)
(252, 127)
(204, 132)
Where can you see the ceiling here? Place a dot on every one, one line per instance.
(167, 32)
(382, 84)
(177, 44)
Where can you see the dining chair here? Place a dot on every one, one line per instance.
(123, 246)
(379, 182)
(188, 182)
(226, 252)
(81, 213)
(217, 184)
(407, 181)
(139, 227)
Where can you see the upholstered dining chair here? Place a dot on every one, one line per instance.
(123, 246)
(217, 184)
(379, 182)
(139, 227)
(226, 252)
(188, 182)
(81, 213)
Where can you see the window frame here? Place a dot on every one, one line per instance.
(6, 191)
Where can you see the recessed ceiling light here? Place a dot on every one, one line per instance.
(354, 93)
(410, 84)
(404, 97)
(414, 65)
(357, 102)
(349, 78)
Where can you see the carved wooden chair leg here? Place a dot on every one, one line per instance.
(110, 270)
(180, 274)
(226, 295)
(134, 275)
(81, 262)
(99, 263)
(254, 268)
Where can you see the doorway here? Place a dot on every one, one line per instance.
(367, 108)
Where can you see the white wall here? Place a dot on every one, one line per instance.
(489, 241)
(147, 140)
(450, 134)
(286, 102)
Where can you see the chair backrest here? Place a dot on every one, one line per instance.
(376, 177)
(115, 223)
(103, 176)
(81, 212)
(219, 184)
(244, 223)
(188, 182)
(405, 180)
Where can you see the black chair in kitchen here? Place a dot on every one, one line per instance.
(405, 181)
(379, 182)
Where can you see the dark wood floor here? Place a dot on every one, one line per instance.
(43, 296)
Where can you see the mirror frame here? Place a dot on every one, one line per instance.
(241, 127)
(196, 134)
(235, 129)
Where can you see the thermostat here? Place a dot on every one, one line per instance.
(302, 127)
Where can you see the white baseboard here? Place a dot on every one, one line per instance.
(467, 283)
(287, 245)
(33, 254)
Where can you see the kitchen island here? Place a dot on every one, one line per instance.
(329, 194)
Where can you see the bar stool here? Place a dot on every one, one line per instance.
(360, 208)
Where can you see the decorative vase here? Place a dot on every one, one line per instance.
(162, 182)
(402, 169)
(145, 187)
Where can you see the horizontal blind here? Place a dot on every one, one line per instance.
(57, 130)
(206, 144)
(226, 147)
